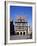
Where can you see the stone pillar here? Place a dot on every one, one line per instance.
(19, 33)
(25, 32)
(22, 33)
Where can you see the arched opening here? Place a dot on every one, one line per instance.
(23, 33)
(20, 33)
(17, 33)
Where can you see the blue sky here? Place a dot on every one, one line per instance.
(21, 10)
